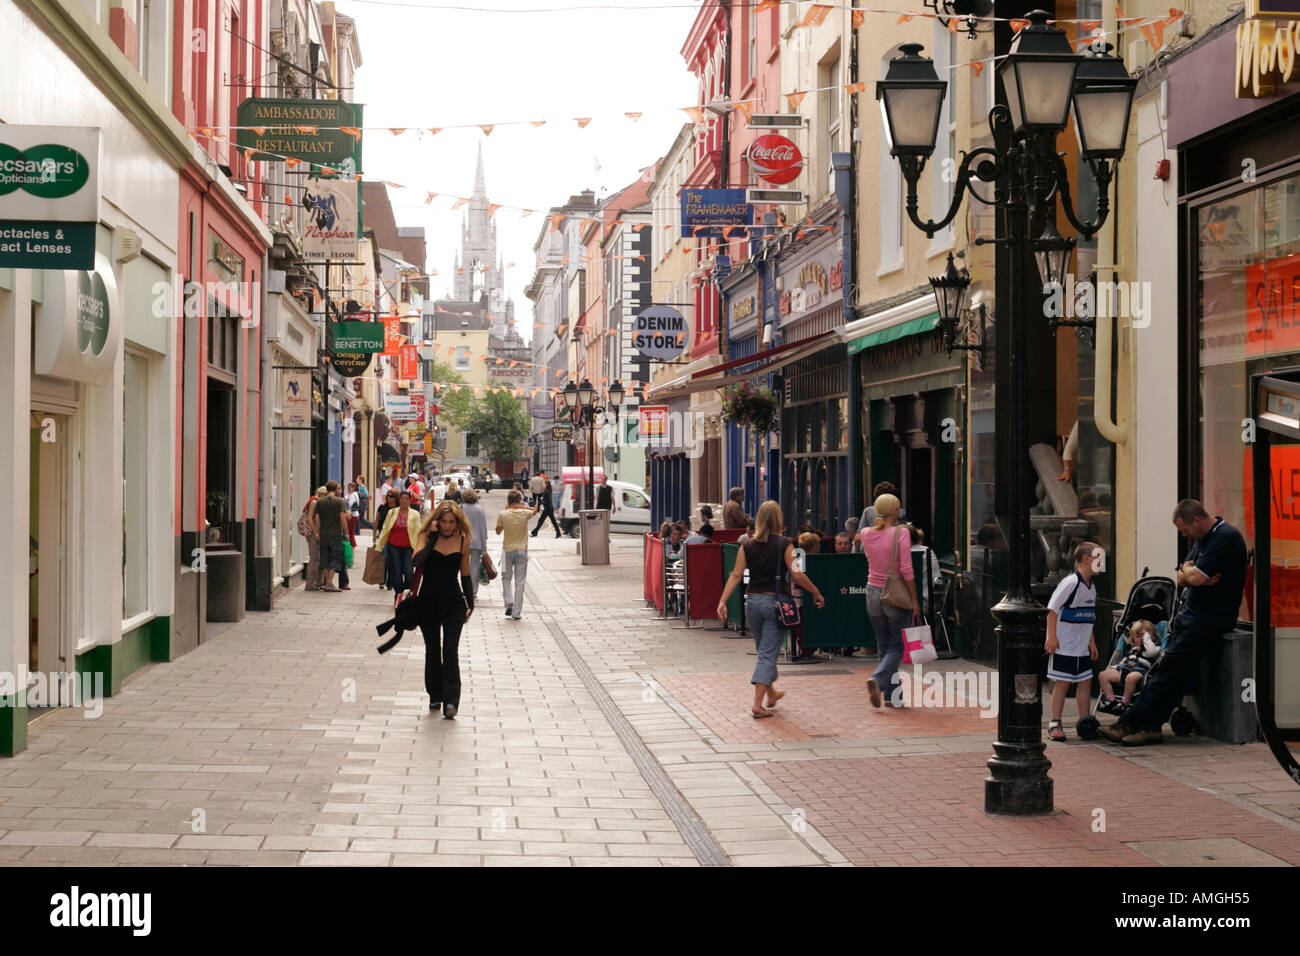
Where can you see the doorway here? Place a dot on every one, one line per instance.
(48, 595)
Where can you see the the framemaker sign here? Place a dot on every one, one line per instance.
(49, 196)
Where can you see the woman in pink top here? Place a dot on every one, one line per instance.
(887, 621)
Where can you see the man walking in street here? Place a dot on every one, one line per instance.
(327, 522)
(1215, 575)
(604, 495)
(548, 508)
(513, 523)
(536, 485)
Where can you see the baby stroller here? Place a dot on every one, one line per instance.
(1150, 599)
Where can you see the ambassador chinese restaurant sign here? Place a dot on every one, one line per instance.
(315, 131)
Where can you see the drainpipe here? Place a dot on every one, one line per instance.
(842, 164)
(1112, 428)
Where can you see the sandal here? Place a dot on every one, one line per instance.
(775, 696)
(1055, 731)
(760, 714)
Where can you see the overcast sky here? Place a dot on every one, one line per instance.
(425, 65)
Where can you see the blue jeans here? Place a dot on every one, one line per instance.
(475, 565)
(887, 622)
(514, 565)
(1189, 639)
(397, 567)
(762, 622)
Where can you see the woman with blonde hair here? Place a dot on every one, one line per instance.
(764, 554)
(888, 548)
(398, 542)
(445, 605)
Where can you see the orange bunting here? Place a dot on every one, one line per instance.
(766, 5)
(396, 131)
(555, 221)
(977, 68)
(633, 116)
(794, 99)
(746, 109)
(954, 24)
(261, 130)
(492, 209)
(905, 18)
(696, 113)
(852, 88)
(538, 122)
(430, 197)
(859, 17)
(291, 162)
(582, 121)
(1017, 25)
(816, 15)
(458, 203)
(353, 131)
(308, 130)
(435, 130)
(487, 128)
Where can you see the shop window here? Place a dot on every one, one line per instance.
(942, 164)
(135, 485)
(891, 194)
(462, 358)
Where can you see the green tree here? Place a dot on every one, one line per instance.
(455, 404)
(499, 425)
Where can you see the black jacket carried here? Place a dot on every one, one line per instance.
(604, 498)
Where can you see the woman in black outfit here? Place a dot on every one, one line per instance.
(444, 606)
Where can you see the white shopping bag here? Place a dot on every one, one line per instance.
(918, 645)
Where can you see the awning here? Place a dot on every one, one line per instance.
(738, 370)
(895, 332)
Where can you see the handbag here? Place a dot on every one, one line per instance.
(918, 645)
(374, 572)
(895, 592)
(488, 567)
(787, 608)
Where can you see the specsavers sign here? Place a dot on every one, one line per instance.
(49, 196)
(78, 325)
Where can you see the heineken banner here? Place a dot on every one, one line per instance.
(358, 337)
(322, 132)
(843, 622)
(332, 232)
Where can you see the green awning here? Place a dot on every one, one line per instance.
(915, 326)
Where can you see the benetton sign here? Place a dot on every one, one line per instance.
(310, 130)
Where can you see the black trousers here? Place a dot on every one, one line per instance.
(441, 629)
(547, 512)
(1189, 639)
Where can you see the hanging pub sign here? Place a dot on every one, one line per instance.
(333, 227)
(358, 337)
(409, 365)
(314, 131)
(659, 332)
(295, 403)
(562, 432)
(78, 328)
(708, 212)
(49, 196)
(775, 159)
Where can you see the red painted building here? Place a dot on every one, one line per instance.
(223, 241)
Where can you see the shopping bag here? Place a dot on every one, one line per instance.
(374, 572)
(488, 567)
(347, 553)
(918, 645)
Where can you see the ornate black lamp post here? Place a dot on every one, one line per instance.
(1042, 77)
(581, 401)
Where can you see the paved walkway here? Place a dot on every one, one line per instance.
(590, 733)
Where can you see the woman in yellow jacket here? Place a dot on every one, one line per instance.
(398, 540)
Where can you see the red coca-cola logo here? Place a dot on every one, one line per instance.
(775, 159)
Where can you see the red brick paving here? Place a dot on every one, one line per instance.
(815, 707)
(929, 809)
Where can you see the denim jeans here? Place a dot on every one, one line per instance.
(397, 565)
(514, 565)
(475, 567)
(888, 623)
(1189, 639)
(762, 622)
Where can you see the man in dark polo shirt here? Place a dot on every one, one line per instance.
(328, 520)
(1214, 575)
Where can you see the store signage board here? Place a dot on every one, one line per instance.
(358, 337)
(295, 403)
(708, 212)
(333, 230)
(652, 424)
(408, 364)
(1267, 51)
(659, 332)
(400, 408)
(1273, 306)
(350, 363)
(562, 432)
(307, 130)
(775, 159)
(49, 196)
(79, 325)
(1273, 9)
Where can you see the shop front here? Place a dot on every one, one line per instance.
(742, 294)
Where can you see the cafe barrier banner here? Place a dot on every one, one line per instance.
(843, 622)
(735, 603)
(703, 580)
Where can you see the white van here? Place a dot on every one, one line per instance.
(630, 508)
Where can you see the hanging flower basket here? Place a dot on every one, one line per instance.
(751, 407)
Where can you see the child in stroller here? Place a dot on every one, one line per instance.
(1142, 654)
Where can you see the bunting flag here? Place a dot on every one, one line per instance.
(555, 221)
(538, 123)
(1017, 24)
(397, 131)
(492, 209)
(582, 121)
(307, 130)
(435, 130)
(855, 88)
(696, 113)
(746, 109)
(458, 203)
(487, 128)
(261, 130)
(353, 131)
(794, 99)
(527, 213)
(633, 116)
(905, 18)
(954, 24)
(977, 68)
(859, 18)
(429, 197)
(816, 15)
(291, 162)
(766, 5)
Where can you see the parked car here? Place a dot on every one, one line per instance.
(630, 511)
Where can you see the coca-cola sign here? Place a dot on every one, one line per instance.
(775, 159)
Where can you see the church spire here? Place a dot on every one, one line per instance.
(480, 183)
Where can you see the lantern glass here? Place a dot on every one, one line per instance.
(911, 102)
(1038, 77)
(616, 394)
(571, 396)
(1052, 252)
(586, 394)
(950, 291)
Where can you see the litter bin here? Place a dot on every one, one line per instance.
(595, 536)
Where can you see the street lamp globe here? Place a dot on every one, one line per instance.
(1038, 76)
(1052, 252)
(571, 396)
(616, 394)
(1103, 98)
(950, 290)
(911, 102)
(586, 394)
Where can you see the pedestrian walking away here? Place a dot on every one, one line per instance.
(397, 540)
(328, 522)
(548, 511)
(513, 524)
(445, 603)
(1214, 575)
(536, 485)
(764, 555)
(477, 519)
(888, 548)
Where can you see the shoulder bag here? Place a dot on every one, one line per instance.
(787, 608)
(895, 592)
